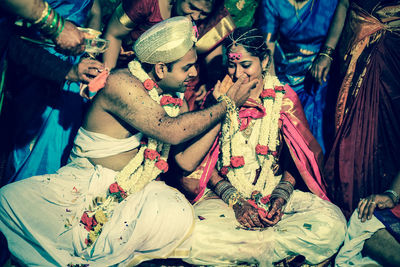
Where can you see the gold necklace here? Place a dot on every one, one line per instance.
(249, 129)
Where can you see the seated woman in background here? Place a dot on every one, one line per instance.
(248, 207)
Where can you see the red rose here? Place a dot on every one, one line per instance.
(162, 165)
(224, 170)
(167, 100)
(268, 93)
(265, 199)
(89, 222)
(279, 88)
(151, 154)
(149, 84)
(274, 153)
(261, 150)
(114, 188)
(178, 102)
(237, 162)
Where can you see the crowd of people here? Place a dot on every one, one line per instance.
(204, 132)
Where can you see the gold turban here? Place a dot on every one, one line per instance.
(166, 41)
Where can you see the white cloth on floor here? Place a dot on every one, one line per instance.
(357, 233)
(311, 227)
(40, 217)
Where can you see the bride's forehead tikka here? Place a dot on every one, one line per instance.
(233, 46)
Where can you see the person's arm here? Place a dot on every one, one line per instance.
(189, 156)
(118, 27)
(94, 16)
(322, 63)
(45, 65)
(282, 192)
(28, 9)
(125, 98)
(387, 200)
(69, 40)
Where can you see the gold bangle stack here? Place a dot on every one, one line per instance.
(50, 23)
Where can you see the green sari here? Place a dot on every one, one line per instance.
(242, 11)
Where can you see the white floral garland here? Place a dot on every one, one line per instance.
(233, 142)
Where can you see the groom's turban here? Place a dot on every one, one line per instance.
(166, 41)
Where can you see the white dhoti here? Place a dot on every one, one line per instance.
(40, 217)
(311, 227)
(358, 232)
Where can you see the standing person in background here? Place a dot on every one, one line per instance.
(364, 156)
(44, 114)
(212, 22)
(295, 31)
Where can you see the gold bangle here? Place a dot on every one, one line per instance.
(325, 54)
(44, 12)
(123, 18)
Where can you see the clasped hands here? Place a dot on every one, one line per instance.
(249, 217)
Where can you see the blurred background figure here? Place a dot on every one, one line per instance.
(42, 111)
(295, 32)
(364, 157)
(242, 11)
